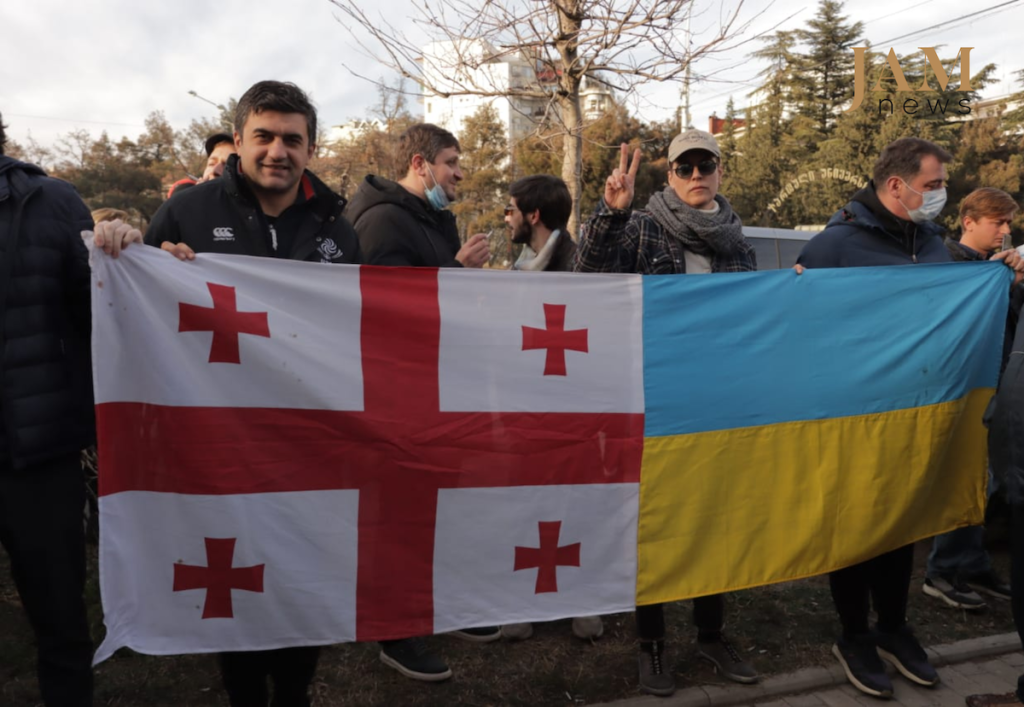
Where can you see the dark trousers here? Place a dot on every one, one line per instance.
(1017, 578)
(291, 670)
(883, 580)
(42, 529)
(708, 617)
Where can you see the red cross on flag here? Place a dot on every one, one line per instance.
(297, 454)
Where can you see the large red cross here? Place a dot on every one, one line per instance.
(218, 578)
(548, 557)
(399, 451)
(555, 339)
(224, 320)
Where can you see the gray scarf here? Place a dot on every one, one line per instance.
(711, 235)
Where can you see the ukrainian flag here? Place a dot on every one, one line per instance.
(799, 424)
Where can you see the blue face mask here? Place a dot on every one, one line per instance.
(436, 197)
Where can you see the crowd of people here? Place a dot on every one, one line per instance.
(258, 198)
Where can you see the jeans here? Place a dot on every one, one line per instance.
(962, 551)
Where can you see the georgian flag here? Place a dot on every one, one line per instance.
(296, 454)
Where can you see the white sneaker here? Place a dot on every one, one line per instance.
(516, 632)
(587, 627)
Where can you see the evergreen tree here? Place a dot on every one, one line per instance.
(765, 154)
(823, 81)
(727, 143)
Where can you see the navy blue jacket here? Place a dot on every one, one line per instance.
(46, 402)
(865, 233)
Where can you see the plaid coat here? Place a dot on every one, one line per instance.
(620, 240)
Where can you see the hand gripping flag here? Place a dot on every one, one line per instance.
(298, 454)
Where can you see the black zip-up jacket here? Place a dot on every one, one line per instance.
(223, 216)
(46, 402)
(963, 254)
(396, 227)
(865, 233)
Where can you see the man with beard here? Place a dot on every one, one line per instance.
(538, 211)
(686, 228)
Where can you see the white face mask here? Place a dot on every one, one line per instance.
(930, 207)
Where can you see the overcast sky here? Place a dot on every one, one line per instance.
(105, 64)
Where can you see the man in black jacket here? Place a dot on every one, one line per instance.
(266, 204)
(46, 416)
(407, 223)
(889, 222)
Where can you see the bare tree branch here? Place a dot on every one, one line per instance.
(457, 45)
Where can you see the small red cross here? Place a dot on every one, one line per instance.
(224, 320)
(548, 557)
(555, 339)
(219, 578)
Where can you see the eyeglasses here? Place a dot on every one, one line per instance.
(705, 167)
(509, 209)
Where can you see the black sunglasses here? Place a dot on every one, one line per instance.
(705, 167)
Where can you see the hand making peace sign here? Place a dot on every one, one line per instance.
(619, 187)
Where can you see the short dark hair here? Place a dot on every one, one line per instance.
(426, 140)
(280, 96)
(902, 158)
(544, 193)
(3, 135)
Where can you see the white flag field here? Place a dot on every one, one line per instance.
(300, 453)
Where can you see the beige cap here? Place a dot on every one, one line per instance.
(692, 139)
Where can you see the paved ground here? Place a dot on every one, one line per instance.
(958, 681)
(976, 665)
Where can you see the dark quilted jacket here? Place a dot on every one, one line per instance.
(46, 402)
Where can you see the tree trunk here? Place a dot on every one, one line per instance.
(572, 155)
(569, 82)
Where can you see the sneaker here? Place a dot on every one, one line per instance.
(953, 591)
(481, 634)
(587, 627)
(516, 632)
(411, 658)
(990, 583)
(727, 661)
(1010, 699)
(864, 669)
(902, 650)
(654, 679)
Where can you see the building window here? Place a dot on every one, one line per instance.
(428, 106)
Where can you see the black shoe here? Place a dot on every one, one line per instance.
(481, 634)
(864, 669)
(727, 661)
(990, 583)
(411, 658)
(902, 650)
(654, 678)
(953, 591)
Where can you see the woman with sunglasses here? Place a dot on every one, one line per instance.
(686, 228)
